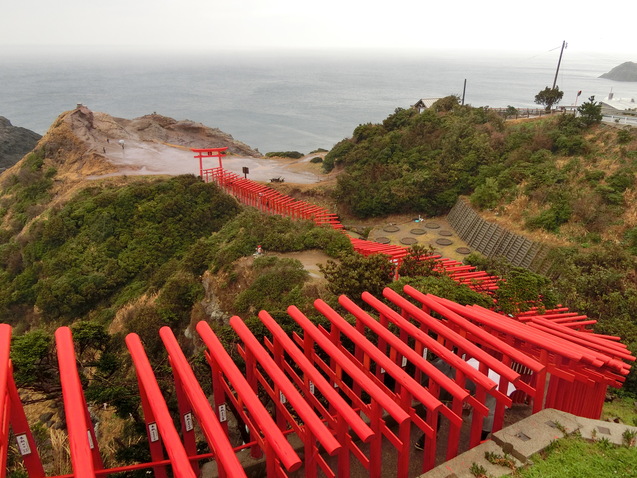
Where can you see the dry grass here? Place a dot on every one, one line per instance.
(128, 311)
(110, 433)
(630, 216)
(61, 453)
(513, 216)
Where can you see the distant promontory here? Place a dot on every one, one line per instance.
(625, 72)
(15, 142)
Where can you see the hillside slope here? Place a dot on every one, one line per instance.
(15, 142)
(556, 177)
(567, 181)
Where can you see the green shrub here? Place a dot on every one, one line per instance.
(338, 152)
(448, 103)
(590, 112)
(32, 359)
(284, 154)
(522, 290)
(552, 218)
(109, 245)
(571, 145)
(443, 286)
(624, 136)
(366, 131)
(399, 119)
(486, 195)
(609, 194)
(316, 160)
(277, 285)
(34, 161)
(621, 180)
(177, 297)
(594, 175)
(630, 238)
(240, 237)
(355, 274)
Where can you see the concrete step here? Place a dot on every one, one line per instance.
(525, 438)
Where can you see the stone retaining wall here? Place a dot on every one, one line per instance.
(493, 240)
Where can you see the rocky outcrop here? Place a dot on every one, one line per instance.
(82, 144)
(158, 128)
(15, 142)
(625, 72)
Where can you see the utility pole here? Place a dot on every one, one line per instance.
(464, 88)
(564, 44)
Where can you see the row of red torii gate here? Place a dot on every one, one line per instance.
(348, 390)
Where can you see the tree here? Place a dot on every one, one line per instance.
(590, 112)
(448, 103)
(549, 97)
(34, 361)
(523, 289)
(486, 195)
(355, 274)
(511, 111)
(420, 262)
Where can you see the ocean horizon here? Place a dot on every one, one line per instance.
(293, 100)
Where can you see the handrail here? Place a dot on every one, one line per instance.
(146, 377)
(259, 414)
(224, 453)
(318, 429)
(74, 406)
(350, 416)
(5, 347)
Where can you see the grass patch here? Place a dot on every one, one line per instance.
(284, 154)
(623, 408)
(575, 457)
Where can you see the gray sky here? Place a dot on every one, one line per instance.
(301, 24)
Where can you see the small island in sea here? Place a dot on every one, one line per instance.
(627, 71)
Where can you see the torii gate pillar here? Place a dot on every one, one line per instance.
(209, 153)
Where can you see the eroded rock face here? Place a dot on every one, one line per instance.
(158, 128)
(15, 142)
(625, 72)
(86, 145)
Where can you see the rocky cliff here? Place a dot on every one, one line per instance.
(625, 72)
(162, 129)
(15, 142)
(84, 145)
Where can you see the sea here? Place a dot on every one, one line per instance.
(283, 101)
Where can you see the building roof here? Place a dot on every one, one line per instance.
(425, 102)
(620, 104)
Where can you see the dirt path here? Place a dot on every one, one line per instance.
(310, 260)
(150, 157)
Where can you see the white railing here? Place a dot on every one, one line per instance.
(632, 120)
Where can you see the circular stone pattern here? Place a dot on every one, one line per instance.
(382, 240)
(463, 250)
(391, 228)
(432, 225)
(444, 232)
(444, 241)
(417, 232)
(408, 241)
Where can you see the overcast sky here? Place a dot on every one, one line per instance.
(324, 24)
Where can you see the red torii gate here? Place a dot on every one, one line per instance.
(209, 153)
(582, 365)
(270, 201)
(305, 376)
(556, 347)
